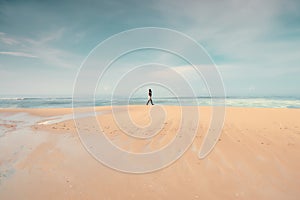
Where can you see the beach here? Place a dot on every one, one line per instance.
(256, 157)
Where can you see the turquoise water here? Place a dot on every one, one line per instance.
(66, 102)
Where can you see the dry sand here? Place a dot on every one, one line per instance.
(256, 157)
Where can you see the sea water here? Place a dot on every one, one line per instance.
(66, 102)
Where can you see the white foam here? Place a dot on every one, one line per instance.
(58, 119)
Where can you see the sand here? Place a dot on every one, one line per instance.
(256, 157)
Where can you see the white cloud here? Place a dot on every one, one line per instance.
(19, 54)
(236, 30)
(7, 40)
(41, 48)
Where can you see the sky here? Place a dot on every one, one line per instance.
(254, 44)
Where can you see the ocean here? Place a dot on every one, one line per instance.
(66, 102)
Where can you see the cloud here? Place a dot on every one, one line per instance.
(19, 54)
(7, 40)
(42, 48)
(239, 32)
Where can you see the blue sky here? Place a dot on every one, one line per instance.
(255, 44)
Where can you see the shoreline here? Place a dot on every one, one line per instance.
(235, 101)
